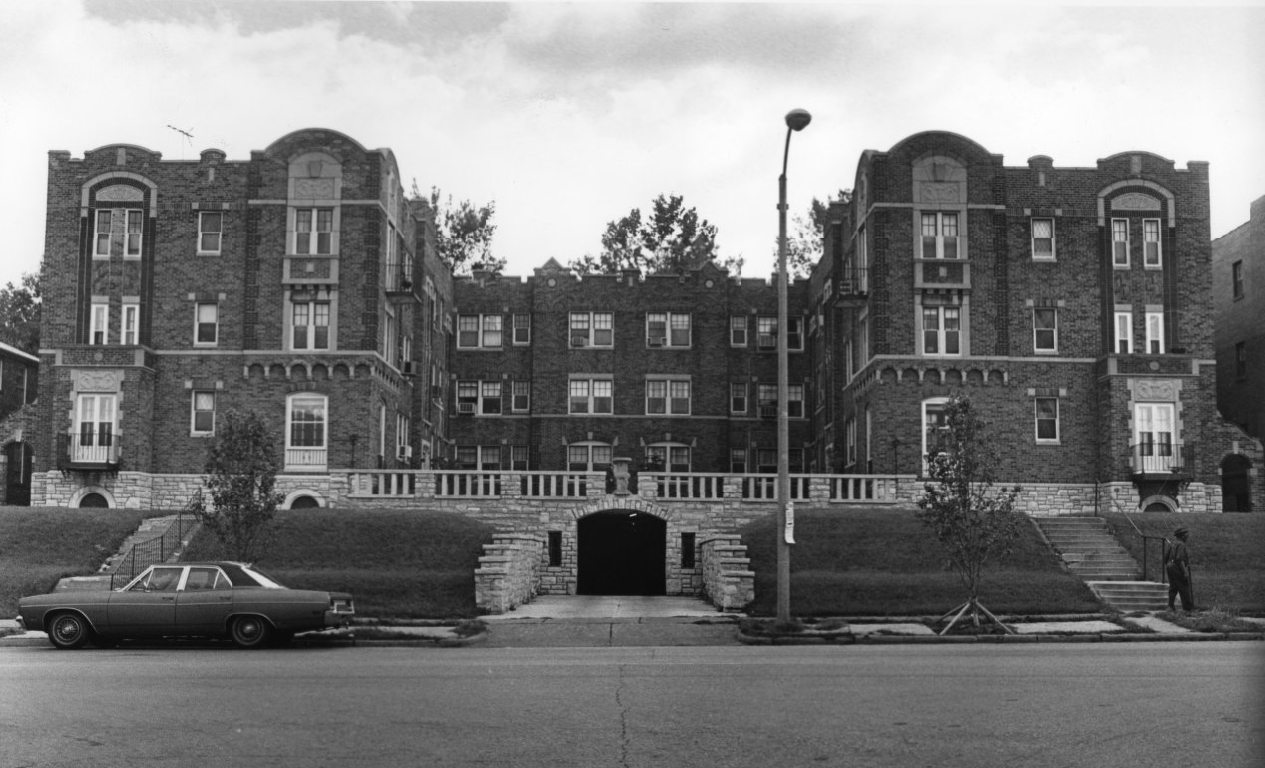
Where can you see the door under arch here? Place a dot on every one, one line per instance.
(621, 553)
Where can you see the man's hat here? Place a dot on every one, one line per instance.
(1180, 532)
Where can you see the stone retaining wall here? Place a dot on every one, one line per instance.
(728, 580)
(509, 572)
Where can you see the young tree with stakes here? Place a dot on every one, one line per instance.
(975, 525)
(241, 469)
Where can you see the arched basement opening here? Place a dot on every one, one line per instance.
(621, 553)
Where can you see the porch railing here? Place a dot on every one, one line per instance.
(1161, 458)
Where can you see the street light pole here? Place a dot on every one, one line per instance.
(796, 120)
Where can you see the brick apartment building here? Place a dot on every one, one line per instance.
(299, 284)
(1238, 274)
(1073, 304)
(19, 383)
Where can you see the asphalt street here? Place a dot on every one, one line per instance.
(1076, 704)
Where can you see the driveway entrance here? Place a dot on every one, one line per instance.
(621, 553)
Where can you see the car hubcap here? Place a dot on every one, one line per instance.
(67, 630)
(248, 630)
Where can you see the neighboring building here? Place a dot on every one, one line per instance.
(1074, 306)
(674, 372)
(19, 383)
(1238, 279)
(299, 284)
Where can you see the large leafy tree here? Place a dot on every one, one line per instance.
(806, 236)
(20, 313)
(669, 239)
(975, 525)
(241, 468)
(463, 233)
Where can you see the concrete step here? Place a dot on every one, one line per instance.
(1131, 595)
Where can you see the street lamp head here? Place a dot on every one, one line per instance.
(798, 119)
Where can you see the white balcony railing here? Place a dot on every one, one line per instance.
(306, 459)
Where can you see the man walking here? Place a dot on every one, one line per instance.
(1177, 565)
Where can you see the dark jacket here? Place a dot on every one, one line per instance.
(1178, 558)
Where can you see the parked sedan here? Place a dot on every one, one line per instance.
(219, 600)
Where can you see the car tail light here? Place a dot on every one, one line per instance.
(341, 605)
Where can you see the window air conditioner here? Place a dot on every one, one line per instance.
(766, 341)
(404, 452)
(406, 367)
(465, 408)
(579, 341)
(657, 341)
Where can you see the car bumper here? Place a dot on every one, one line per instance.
(338, 618)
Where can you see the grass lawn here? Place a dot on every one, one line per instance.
(396, 563)
(874, 561)
(1227, 554)
(40, 545)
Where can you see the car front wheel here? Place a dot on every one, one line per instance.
(68, 631)
(249, 631)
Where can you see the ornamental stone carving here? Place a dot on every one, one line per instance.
(97, 381)
(1164, 390)
(1135, 201)
(940, 193)
(315, 189)
(120, 193)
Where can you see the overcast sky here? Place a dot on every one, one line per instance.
(570, 115)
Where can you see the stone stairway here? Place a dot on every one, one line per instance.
(1093, 554)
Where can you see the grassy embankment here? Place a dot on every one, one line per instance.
(419, 564)
(883, 562)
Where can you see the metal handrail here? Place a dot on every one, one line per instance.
(153, 550)
(1146, 538)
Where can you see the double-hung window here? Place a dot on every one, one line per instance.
(479, 331)
(737, 331)
(522, 329)
(591, 396)
(1124, 333)
(795, 333)
(122, 225)
(210, 232)
(1045, 330)
(99, 326)
(795, 401)
(592, 329)
(490, 398)
(673, 458)
(766, 332)
(131, 323)
(1120, 243)
(668, 329)
(1043, 239)
(941, 330)
(203, 413)
(766, 400)
(521, 400)
(588, 457)
(665, 396)
(1047, 419)
(207, 324)
(1155, 333)
(1236, 279)
(309, 323)
(939, 235)
(738, 397)
(1152, 246)
(313, 230)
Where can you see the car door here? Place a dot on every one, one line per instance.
(148, 606)
(203, 604)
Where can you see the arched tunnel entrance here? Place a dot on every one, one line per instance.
(621, 553)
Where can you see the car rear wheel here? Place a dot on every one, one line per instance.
(68, 631)
(249, 631)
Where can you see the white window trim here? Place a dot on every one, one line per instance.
(668, 399)
(99, 321)
(734, 322)
(130, 338)
(193, 413)
(219, 242)
(591, 397)
(294, 451)
(941, 331)
(514, 396)
(940, 237)
(1127, 257)
(1159, 244)
(1053, 255)
(197, 323)
(515, 327)
(1036, 348)
(925, 403)
(329, 298)
(746, 400)
(313, 249)
(1117, 337)
(1155, 332)
(589, 447)
(587, 336)
(667, 342)
(1058, 422)
(481, 331)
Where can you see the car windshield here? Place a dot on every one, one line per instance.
(246, 576)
